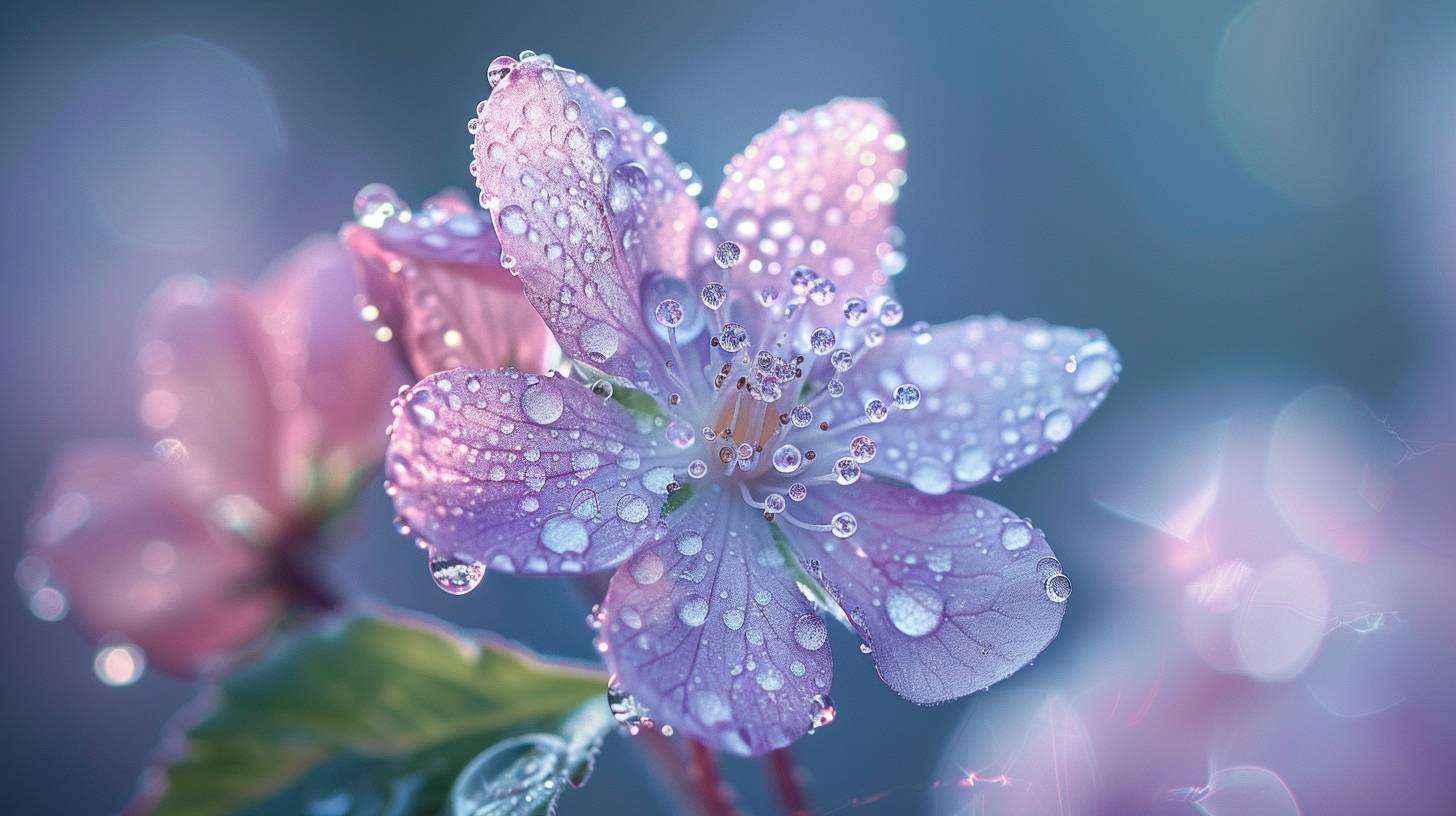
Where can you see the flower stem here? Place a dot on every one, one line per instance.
(787, 782)
(710, 787)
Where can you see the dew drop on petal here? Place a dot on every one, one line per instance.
(810, 632)
(1016, 535)
(1058, 588)
(565, 534)
(694, 610)
(690, 542)
(914, 608)
(542, 403)
(1056, 427)
(499, 69)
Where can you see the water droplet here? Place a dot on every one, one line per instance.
(876, 410)
(714, 295)
(821, 341)
(914, 608)
(733, 337)
(690, 542)
(846, 471)
(694, 610)
(627, 187)
(770, 679)
(810, 632)
(1058, 588)
(906, 396)
(542, 403)
(513, 219)
(456, 575)
(499, 69)
(565, 534)
(1056, 427)
(632, 509)
(1047, 566)
(787, 458)
(821, 712)
(647, 568)
(930, 476)
(862, 448)
(728, 254)
(1016, 535)
(669, 313)
(843, 524)
(733, 618)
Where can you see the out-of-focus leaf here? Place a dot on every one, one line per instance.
(524, 776)
(368, 715)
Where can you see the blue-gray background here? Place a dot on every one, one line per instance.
(1067, 161)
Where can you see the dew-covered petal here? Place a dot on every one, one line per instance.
(432, 283)
(818, 189)
(952, 593)
(120, 538)
(709, 630)
(993, 395)
(334, 381)
(523, 473)
(206, 370)
(588, 206)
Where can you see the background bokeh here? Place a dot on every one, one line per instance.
(1257, 203)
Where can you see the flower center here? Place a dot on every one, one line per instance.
(747, 406)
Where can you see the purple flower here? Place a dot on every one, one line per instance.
(744, 419)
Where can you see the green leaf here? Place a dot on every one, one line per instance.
(371, 714)
(525, 775)
(677, 498)
(633, 399)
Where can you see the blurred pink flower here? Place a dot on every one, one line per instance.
(433, 283)
(266, 404)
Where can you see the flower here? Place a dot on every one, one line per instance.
(755, 415)
(264, 405)
(433, 285)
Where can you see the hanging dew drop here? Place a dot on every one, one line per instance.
(456, 575)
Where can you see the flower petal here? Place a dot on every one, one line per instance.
(433, 282)
(818, 189)
(589, 209)
(334, 381)
(708, 629)
(128, 548)
(950, 592)
(994, 395)
(206, 375)
(523, 473)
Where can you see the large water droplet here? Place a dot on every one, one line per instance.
(1016, 535)
(1058, 588)
(499, 69)
(810, 632)
(914, 608)
(456, 575)
(694, 610)
(542, 403)
(565, 534)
